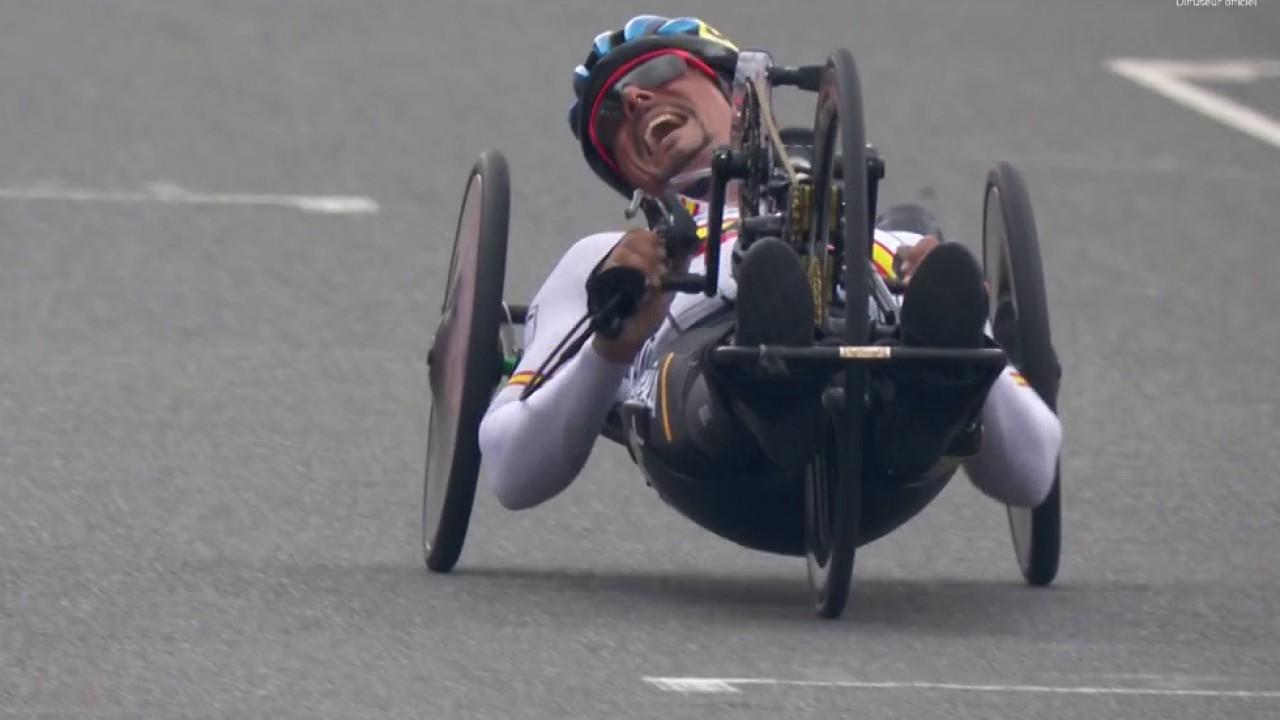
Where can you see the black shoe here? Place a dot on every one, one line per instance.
(945, 304)
(775, 307)
(774, 304)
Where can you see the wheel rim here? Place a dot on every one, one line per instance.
(449, 358)
(1004, 322)
(1020, 520)
(817, 492)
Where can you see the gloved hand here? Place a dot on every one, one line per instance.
(646, 252)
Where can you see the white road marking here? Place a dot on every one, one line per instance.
(692, 685)
(168, 193)
(1172, 79)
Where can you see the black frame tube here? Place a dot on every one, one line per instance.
(721, 171)
(855, 354)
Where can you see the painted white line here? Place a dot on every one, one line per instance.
(690, 685)
(168, 193)
(1171, 79)
(1210, 70)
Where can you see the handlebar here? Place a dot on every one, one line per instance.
(614, 295)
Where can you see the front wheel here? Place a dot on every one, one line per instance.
(833, 487)
(832, 503)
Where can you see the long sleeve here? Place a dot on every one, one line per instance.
(534, 449)
(1021, 439)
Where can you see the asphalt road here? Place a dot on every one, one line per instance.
(212, 417)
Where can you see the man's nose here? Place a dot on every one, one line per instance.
(634, 99)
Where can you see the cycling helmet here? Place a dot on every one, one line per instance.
(614, 53)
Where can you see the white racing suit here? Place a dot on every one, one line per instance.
(534, 449)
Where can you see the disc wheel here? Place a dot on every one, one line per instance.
(1020, 320)
(465, 362)
(833, 481)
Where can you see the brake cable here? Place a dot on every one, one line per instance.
(561, 354)
(622, 288)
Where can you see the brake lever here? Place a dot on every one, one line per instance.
(682, 241)
(615, 293)
(668, 217)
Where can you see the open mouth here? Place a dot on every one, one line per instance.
(659, 127)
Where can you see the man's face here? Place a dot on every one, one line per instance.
(669, 129)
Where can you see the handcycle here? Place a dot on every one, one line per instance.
(824, 208)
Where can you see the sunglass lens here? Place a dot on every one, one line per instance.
(654, 73)
(648, 75)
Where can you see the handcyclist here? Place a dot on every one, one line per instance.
(651, 104)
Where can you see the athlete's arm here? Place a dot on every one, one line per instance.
(533, 449)
(1021, 439)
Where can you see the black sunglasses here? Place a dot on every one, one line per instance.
(647, 75)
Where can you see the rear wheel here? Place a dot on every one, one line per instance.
(465, 361)
(1020, 319)
(833, 482)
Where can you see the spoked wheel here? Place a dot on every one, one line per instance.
(1020, 321)
(465, 361)
(833, 482)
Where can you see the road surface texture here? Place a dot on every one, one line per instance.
(213, 407)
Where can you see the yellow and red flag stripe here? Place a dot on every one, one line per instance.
(882, 256)
(728, 231)
(521, 379)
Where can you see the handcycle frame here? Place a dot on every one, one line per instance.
(822, 211)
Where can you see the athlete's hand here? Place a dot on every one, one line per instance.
(645, 251)
(910, 257)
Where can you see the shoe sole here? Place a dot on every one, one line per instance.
(945, 304)
(774, 304)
